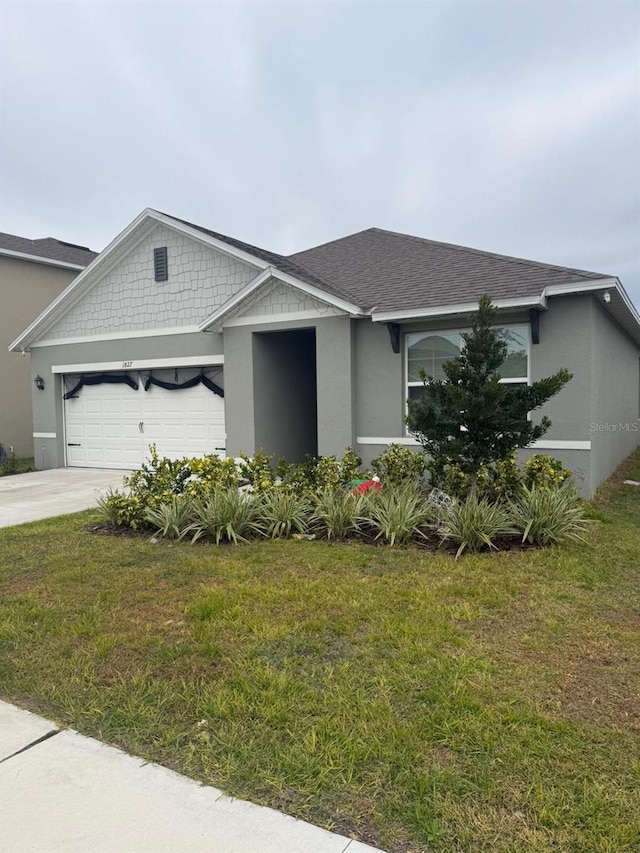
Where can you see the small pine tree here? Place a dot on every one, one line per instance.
(471, 419)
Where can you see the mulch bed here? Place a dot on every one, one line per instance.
(431, 541)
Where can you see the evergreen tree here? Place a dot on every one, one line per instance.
(470, 419)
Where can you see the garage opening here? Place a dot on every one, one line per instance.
(111, 424)
(285, 393)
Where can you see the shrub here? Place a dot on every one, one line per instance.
(397, 465)
(497, 482)
(549, 515)
(225, 514)
(122, 510)
(172, 519)
(256, 469)
(350, 466)
(317, 473)
(209, 473)
(474, 523)
(338, 513)
(283, 512)
(297, 476)
(472, 417)
(544, 471)
(327, 473)
(444, 474)
(398, 513)
(505, 479)
(159, 478)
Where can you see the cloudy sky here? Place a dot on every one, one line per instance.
(507, 125)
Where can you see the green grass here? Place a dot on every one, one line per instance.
(17, 465)
(412, 701)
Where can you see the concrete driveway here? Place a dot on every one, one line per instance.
(59, 491)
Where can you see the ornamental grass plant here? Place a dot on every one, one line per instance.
(549, 515)
(337, 514)
(226, 515)
(283, 512)
(399, 514)
(474, 524)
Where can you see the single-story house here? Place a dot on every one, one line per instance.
(32, 274)
(197, 342)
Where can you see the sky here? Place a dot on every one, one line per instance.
(506, 125)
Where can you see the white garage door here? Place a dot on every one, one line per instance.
(112, 426)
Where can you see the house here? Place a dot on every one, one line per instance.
(197, 342)
(32, 274)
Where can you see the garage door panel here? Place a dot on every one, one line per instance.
(95, 431)
(111, 425)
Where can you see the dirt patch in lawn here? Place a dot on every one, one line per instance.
(584, 674)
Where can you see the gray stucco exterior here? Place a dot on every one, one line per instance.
(598, 410)
(48, 405)
(244, 388)
(614, 426)
(305, 375)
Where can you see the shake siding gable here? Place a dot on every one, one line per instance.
(128, 298)
(279, 299)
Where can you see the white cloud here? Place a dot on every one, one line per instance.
(508, 126)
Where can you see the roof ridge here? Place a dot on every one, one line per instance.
(336, 240)
(252, 249)
(485, 253)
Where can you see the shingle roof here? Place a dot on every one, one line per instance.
(49, 248)
(391, 271)
(282, 262)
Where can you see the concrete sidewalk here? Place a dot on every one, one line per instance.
(59, 491)
(61, 792)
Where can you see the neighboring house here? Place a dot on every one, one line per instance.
(32, 274)
(314, 352)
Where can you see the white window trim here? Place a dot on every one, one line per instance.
(506, 381)
(540, 444)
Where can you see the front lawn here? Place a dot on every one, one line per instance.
(399, 696)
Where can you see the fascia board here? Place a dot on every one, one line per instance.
(123, 335)
(213, 242)
(274, 272)
(235, 300)
(38, 259)
(518, 302)
(456, 308)
(317, 293)
(291, 281)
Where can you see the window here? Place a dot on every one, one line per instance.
(430, 351)
(160, 265)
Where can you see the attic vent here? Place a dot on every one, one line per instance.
(160, 265)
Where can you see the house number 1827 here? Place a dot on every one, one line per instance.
(127, 363)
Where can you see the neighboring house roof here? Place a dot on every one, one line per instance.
(390, 271)
(46, 249)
